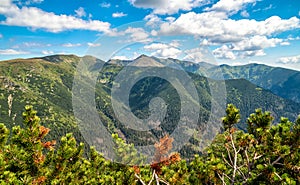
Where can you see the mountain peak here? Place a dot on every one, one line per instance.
(143, 56)
(146, 61)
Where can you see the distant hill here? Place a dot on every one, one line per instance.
(282, 82)
(46, 83)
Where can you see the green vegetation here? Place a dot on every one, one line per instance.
(46, 83)
(266, 154)
(282, 82)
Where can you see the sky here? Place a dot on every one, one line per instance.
(234, 32)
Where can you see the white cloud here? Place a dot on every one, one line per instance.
(5, 3)
(224, 52)
(239, 38)
(244, 13)
(12, 52)
(47, 52)
(131, 34)
(195, 55)
(121, 57)
(105, 5)
(237, 64)
(289, 60)
(217, 25)
(27, 2)
(245, 54)
(230, 6)
(170, 19)
(93, 44)
(153, 32)
(1, 36)
(246, 48)
(137, 34)
(168, 6)
(293, 38)
(285, 43)
(119, 14)
(255, 62)
(131, 56)
(69, 45)
(163, 50)
(205, 42)
(36, 18)
(80, 12)
(256, 43)
(152, 19)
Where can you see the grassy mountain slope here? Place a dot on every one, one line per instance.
(47, 82)
(281, 81)
(43, 82)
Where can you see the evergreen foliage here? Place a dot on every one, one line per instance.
(268, 154)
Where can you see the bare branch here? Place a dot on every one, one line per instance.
(257, 157)
(222, 178)
(278, 176)
(139, 178)
(276, 160)
(235, 160)
(152, 178)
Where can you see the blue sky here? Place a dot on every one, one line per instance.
(234, 32)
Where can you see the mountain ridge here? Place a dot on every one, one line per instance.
(48, 86)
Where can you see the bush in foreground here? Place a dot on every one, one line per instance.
(266, 154)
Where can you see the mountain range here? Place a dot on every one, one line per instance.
(46, 83)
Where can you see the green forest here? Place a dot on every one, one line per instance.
(267, 153)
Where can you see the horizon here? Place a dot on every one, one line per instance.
(234, 32)
(39, 57)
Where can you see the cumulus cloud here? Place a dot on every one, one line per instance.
(217, 24)
(256, 43)
(131, 34)
(290, 60)
(36, 18)
(12, 52)
(137, 34)
(168, 6)
(5, 3)
(152, 19)
(80, 12)
(253, 46)
(242, 37)
(163, 50)
(118, 14)
(230, 6)
(224, 52)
